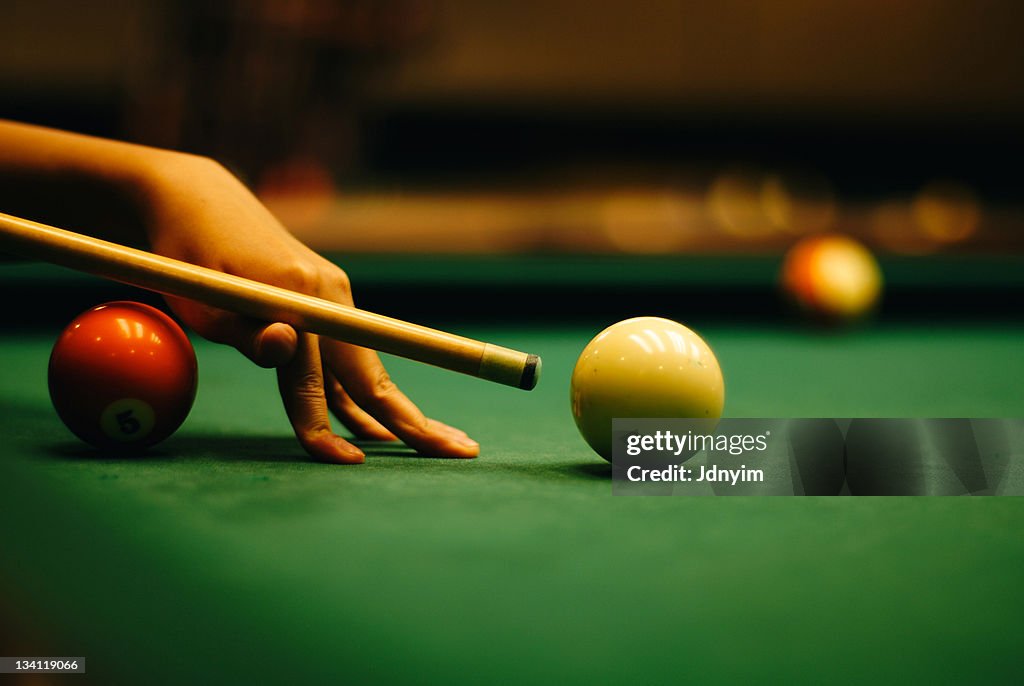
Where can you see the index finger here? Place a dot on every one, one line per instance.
(363, 375)
(301, 383)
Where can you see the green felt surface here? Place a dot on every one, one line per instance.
(225, 557)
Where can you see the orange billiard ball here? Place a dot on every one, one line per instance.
(832, 278)
(123, 376)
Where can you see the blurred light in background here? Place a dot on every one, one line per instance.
(650, 222)
(734, 202)
(558, 125)
(301, 189)
(892, 227)
(947, 212)
(799, 204)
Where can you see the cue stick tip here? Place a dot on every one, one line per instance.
(509, 367)
(531, 373)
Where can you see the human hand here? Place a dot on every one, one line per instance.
(200, 213)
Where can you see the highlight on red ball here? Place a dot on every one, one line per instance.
(123, 376)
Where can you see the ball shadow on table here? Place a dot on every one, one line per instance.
(237, 448)
(35, 421)
(190, 447)
(594, 470)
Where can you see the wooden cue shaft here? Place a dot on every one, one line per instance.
(268, 303)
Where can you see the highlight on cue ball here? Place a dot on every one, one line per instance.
(643, 367)
(123, 376)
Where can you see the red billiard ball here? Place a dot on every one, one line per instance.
(123, 376)
(832, 278)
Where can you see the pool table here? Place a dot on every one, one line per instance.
(225, 556)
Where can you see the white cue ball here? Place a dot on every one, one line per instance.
(643, 367)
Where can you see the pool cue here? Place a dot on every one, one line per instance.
(268, 303)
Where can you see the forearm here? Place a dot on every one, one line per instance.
(83, 183)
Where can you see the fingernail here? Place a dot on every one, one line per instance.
(468, 442)
(352, 452)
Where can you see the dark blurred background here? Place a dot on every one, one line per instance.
(470, 126)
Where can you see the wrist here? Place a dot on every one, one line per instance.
(159, 173)
(165, 180)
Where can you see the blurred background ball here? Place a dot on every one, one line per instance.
(832, 278)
